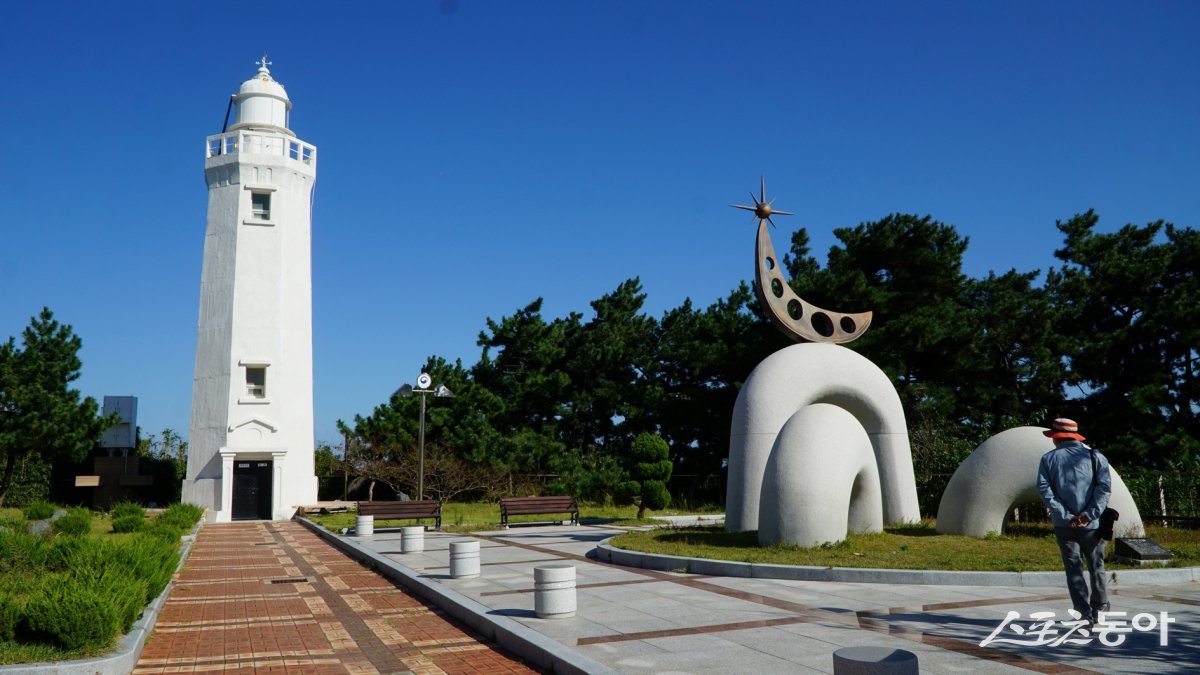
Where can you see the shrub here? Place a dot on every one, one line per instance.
(150, 559)
(128, 523)
(22, 554)
(655, 496)
(627, 492)
(127, 595)
(77, 523)
(75, 614)
(652, 466)
(39, 510)
(76, 554)
(165, 531)
(10, 614)
(126, 509)
(72, 615)
(183, 516)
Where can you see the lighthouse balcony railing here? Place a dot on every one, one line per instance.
(259, 144)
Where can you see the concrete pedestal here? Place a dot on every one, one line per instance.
(874, 661)
(412, 539)
(554, 591)
(464, 559)
(364, 526)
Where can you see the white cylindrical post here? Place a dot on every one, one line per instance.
(554, 591)
(874, 661)
(464, 559)
(412, 539)
(364, 526)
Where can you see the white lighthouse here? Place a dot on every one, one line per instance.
(250, 445)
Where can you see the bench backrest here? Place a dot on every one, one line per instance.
(427, 508)
(539, 504)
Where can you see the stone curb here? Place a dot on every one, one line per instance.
(129, 649)
(606, 552)
(514, 636)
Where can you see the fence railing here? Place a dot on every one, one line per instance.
(251, 142)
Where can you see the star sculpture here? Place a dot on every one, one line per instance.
(762, 208)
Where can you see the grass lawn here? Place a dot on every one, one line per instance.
(1025, 548)
(473, 517)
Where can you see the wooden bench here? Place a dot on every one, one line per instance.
(522, 506)
(410, 510)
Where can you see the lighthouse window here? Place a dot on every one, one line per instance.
(294, 150)
(256, 381)
(230, 145)
(307, 155)
(260, 205)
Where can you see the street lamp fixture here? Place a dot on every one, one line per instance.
(423, 387)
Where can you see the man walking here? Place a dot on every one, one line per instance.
(1074, 482)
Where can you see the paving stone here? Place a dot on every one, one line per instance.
(224, 613)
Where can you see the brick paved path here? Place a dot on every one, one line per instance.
(273, 597)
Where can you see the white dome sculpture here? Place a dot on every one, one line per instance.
(781, 388)
(1001, 474)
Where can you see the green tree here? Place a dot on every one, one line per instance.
(701, 358)
(325, 462)
(1130, 330)
(523, 366)
(908, 271)
(607, 360)
(649, 468)
(1015, 374)
(384, 446)
(40, 414)
(166, 459)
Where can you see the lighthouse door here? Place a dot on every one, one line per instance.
(252, 490)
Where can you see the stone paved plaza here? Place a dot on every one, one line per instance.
(287, 597)
(642, 621)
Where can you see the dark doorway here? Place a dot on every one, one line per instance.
(252, 489)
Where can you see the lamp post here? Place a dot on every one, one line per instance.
(423, 387)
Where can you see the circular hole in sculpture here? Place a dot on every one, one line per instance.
(847, 324)
(777, 288)
(822, 324)
(794, 309)
(770, 263)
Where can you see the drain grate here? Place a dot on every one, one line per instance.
(265, 543)
(290, 580)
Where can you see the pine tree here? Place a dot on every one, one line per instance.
(40, 414)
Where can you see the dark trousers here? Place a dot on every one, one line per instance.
(1076, 545)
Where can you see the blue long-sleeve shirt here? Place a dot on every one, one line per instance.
(1065, 483)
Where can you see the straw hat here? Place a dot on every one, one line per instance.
(1063, 428)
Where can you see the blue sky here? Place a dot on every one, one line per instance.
(476, 155)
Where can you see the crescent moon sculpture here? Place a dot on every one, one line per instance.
(797, 318)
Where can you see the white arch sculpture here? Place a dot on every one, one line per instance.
(781, 388)
(1002, 473)
(825, 446)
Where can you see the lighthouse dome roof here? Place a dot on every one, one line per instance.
(262, 103)
(262, 83)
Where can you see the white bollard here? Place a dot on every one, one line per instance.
(464, 559)
(554, 591)
(364, 526)
(874, 661)
(412, 539)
